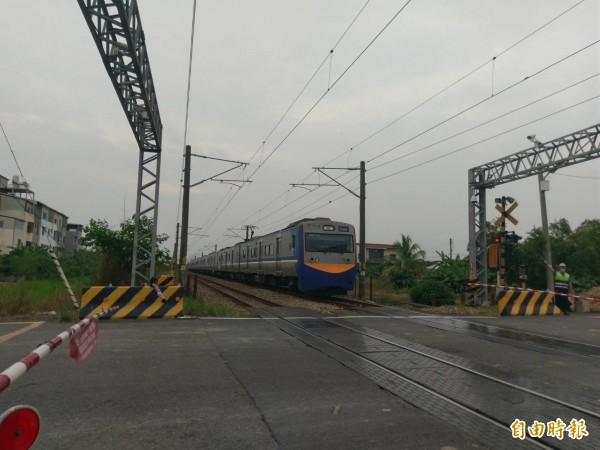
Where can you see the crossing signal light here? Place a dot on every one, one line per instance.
(513, 237)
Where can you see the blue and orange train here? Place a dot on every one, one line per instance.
(310, 255)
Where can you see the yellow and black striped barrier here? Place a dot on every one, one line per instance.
(165, 280)
(135, 302)
(524, 303)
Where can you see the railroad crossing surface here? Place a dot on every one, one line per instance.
(286, 383)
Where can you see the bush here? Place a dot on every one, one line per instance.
(432, 292)
(399, 278)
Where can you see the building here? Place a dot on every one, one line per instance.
(73, 238)
(378, 253)
(27, 222)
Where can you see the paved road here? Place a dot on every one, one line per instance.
(243, 383)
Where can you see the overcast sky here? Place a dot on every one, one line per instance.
(251, 59)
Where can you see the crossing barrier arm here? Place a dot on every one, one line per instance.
(15, 371)
(508, 288)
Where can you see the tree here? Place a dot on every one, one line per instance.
(116, 247)
(29, 262)
(453, 272)
(409, 265)
(579, 249)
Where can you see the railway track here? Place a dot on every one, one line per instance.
(332, 300)
(501, 335)
(234, 294)
(446, 386)
(458, 391)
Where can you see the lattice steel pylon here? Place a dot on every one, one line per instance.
(117, 32)
(574, 148)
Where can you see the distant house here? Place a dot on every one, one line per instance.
(27, 222)
(73, 238)
(377, 253)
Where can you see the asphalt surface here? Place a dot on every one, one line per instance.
(244, 383)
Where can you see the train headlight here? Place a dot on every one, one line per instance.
(328, 228)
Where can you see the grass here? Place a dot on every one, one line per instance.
(31, 297)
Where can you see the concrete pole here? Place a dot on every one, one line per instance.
(362, 254)
(544, 185)
(185, 210)
(175, 269)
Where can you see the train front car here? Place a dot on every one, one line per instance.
(327, 263)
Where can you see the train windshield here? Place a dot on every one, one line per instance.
(329, 243)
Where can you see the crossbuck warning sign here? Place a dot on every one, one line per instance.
(505, 214)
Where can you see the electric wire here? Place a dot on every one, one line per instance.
(320, 99)
(486, 139)
(471, 72)
(285, 218)
(329, 54)
(187, 107)
(440, 92)
(545, 97)
(461, 149)
(456, 151)
(575, 176)
(12, 152)
(332, 86)
(467, 75)
(484, 100)
(487, 121)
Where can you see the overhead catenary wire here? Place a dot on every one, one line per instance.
(187, 108)
(464, 148)
(289, 204)
(487, 139)
(12, 152)
(454, 83)
(329, 56)
(449, 86)
(327, 202)
(320, 99)
(545, 97)
(332, 86)
(484, 100)
(514, 110)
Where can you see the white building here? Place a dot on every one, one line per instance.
(27, 222)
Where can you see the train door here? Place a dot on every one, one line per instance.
(277, 256)
(247, 257)
(260, 252)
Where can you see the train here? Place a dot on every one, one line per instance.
(311, 255)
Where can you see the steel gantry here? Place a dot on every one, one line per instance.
(545, 157)
(117, 32)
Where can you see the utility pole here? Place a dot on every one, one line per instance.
(450, 248)
(544, 185)
(362, 213)
(186, 199)
(185, 212)
(174, 269)
(362, 256)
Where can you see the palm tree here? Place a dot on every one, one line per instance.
(409, 255)
(409, 264)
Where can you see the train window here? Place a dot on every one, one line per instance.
(343, 229)
(293, 244)
(329, 243)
